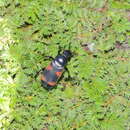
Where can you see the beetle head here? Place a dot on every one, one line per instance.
(67, 54)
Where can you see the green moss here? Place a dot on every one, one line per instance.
(97, 95)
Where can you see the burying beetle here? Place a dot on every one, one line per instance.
(53, 72)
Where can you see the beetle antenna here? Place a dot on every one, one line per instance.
(59, 49)
(69, 46)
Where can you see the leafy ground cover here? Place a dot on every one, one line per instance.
(97, 96)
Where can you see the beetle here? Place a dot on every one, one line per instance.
(53, 72)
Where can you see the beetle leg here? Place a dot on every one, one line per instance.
(48, 57)
(69, 77)
(37, 73)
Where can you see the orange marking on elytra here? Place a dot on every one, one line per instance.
(52, 83)
(43, 78)
(49, 67)
(58, 74)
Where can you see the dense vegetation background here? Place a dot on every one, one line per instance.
(97, 96)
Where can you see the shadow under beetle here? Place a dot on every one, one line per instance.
(53, 72)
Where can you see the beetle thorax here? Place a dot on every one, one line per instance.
(59, 62)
